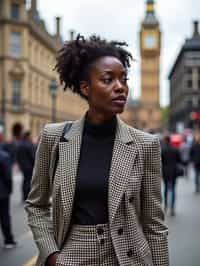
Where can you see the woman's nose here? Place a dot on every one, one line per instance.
(119, 86)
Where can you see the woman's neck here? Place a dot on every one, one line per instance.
(97, 118)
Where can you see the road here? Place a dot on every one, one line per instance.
(184, 229)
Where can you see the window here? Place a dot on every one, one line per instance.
(15, 11)
(189, 70)
(15, 46)
(189, 103)
(16, 92)
(189, 83)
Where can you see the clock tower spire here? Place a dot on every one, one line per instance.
(150, 16)
(150, 36)
(150, 7)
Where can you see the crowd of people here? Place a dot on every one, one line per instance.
(20, 152)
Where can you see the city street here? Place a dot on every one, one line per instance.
(184, 233)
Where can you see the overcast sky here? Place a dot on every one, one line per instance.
(120, 20)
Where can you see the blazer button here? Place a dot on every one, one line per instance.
(100, 231)
(130, 253)
(131, 199)
(102, 241)
(120, 231)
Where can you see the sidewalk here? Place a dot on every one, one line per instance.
(184, 228)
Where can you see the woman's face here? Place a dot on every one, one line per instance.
(107, 88)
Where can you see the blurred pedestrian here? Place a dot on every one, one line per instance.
(25, 156)
(195, 159)
(170, 163)
(11, 145)
(185, 155)
(5, 192)
(106, 199)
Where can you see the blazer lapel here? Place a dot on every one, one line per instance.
(69, 153)
(124, 154)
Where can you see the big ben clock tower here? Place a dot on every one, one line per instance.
(150, 35)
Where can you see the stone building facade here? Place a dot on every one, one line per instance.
(184, 80)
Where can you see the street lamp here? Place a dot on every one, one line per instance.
(3, 111)
(53, 89)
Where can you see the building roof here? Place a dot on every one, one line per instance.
(192, 44)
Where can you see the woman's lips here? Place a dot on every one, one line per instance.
(119, 100)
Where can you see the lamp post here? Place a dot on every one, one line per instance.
(3, 111)
(53, 89)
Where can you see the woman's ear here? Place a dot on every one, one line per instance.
(84, 86)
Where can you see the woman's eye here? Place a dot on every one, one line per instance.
(124, 80)
(107, 80)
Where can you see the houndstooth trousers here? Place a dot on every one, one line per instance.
(88, 245)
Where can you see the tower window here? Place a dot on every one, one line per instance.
(15, 11)
(16, 92)
(15, 43)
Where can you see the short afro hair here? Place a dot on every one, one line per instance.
(76, 56)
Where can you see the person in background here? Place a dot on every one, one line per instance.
(11, 145)
(5, 192)
(185, 155)
(195, 159)
(25, 156)
(170, 161)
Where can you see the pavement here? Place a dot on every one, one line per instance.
(184, 228)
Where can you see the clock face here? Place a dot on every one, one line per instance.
(150, 41)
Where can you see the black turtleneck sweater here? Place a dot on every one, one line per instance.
(91, 195)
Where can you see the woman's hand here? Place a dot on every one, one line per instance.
(51, 260)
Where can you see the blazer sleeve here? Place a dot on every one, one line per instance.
(152, 214)
(38, 205)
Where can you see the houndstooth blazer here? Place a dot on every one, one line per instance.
(134, 198)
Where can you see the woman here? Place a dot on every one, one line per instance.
(106, 200)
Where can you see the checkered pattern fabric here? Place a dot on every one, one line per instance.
(89, 245)
(136, 219)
